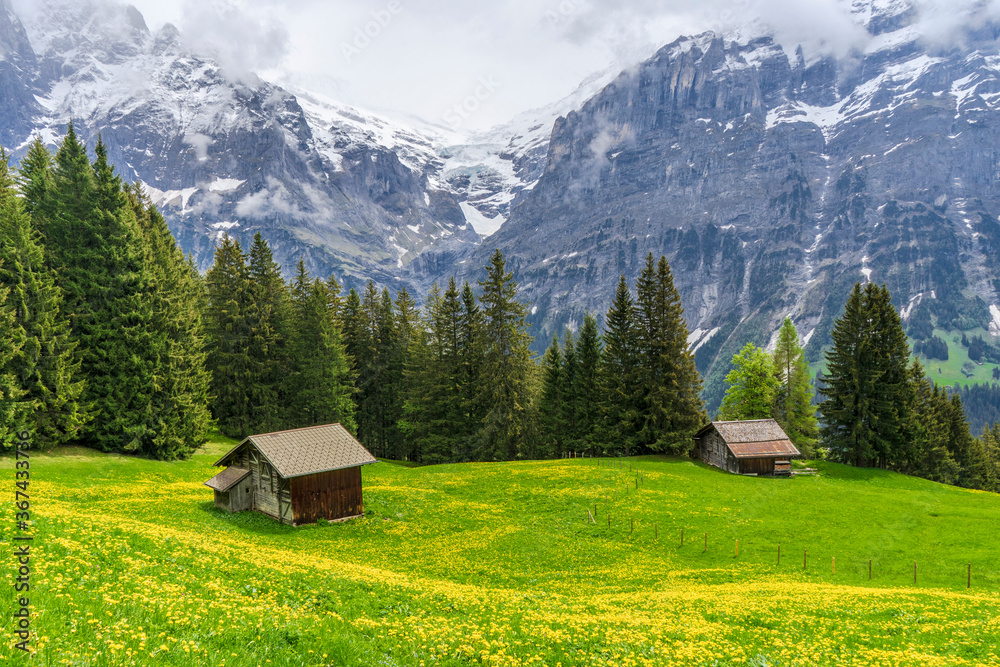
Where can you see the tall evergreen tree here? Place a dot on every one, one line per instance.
(926, 453)
(567, 391)
(45, 367)
(319, 384)
(335, 302)
(36, 180)
(181, 396)
(550, 399)
(14, 410)
(868, 396)
(356, 336)
(228, 327)
(793, 405)
(506, 362)
(673, 410)
(587, 393)
(267, 318)
(433, 415)
(471, 357)
(620, 369)
(113, 288)
(391, 357)
(421, 423)
(373, 338)
(752, 386)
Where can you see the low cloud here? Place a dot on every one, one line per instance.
(200, 143)
(245, 39)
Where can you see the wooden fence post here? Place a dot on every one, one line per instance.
(656, 532)
(706, 542)
(779, 554)
(682, 537)
(632, 526)
(805, 558)
(968, 581)
(737, 549)
(833, 566)
(914, 573)
(869, 569)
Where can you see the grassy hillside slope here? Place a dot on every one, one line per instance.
(495, 564)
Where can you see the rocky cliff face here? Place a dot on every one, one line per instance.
(773, 184)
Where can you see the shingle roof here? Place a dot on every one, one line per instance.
(304, 451)
(754, 438)
(769, 449)
(227, 478)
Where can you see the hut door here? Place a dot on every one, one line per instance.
(285, 502)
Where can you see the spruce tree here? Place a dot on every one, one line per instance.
(550, 399)
(121, 351)
(673, 410)
(14, 410)
(567, 391)
(390, 357)
(470, 375)
(181, 396)
(64, 216)
(868, 397)
(926, 454)
(620, 368)
(506, 362)
(36, 180)
(588, 392)
(227, 323)
(752, 386)
(418, 422)
(335, 302)
(433, 413)
(355, 333)
(793, 406)
(319, 385)
(370, 364)
(267, 318)
(45, 366)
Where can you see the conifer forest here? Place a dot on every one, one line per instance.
(114, 340)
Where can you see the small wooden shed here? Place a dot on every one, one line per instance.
(752, 447)
(297, 476)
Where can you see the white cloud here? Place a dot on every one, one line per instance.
(424, 57)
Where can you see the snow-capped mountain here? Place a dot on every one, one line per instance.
(773, 183)
(350, 191)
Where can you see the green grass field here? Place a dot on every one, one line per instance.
(497, 564)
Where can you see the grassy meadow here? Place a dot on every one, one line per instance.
(498, 564)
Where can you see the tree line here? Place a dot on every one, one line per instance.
(115, 341)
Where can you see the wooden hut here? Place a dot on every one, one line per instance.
(297, 476)
(754, 447)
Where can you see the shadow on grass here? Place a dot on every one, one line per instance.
(250, 521)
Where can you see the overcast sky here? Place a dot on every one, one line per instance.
(424, 57)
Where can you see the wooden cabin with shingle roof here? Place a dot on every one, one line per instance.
(297, 476)
(752, 447)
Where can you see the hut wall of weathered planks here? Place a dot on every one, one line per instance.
(761, 466)
(239, 498)
(327, 495)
